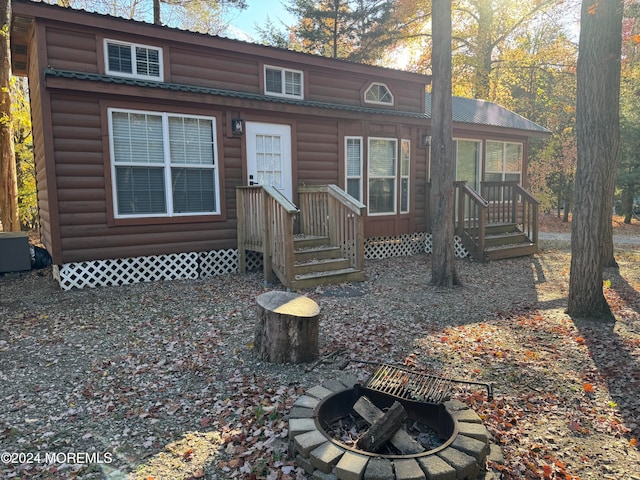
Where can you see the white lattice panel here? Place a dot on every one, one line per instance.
(254, 261)
(459, 249)
(124, 271)
(403, 245)
(218, 262)
(406, 245)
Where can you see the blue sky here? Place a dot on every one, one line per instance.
(257, 12)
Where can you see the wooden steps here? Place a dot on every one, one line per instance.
(505, 240)
(317, 263)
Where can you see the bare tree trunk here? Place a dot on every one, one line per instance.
(598, 138)
(156, 12)
(481, 81)
(443, 268)
(8, 179)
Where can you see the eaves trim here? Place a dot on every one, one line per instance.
(95, 77)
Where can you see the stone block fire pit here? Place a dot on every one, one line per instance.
(460, 454)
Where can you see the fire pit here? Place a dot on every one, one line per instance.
(461, 452)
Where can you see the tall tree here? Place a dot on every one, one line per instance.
(628, 177)
(357, 30)
(598, 140)
(443, 267)
(8, 179)
(25, 164)
(206, 14)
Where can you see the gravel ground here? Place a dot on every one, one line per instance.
(160, 380)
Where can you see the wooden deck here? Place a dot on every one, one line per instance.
(329, 247)
(502, 222)
(321, 242)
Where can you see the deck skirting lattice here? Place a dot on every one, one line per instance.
(125, 271)
(193, 265)
(406, 245)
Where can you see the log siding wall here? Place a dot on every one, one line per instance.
(71, 138)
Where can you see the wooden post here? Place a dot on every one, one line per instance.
(287, 328)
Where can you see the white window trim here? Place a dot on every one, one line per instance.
(402, 177)
(392, 102)
(395, 177)
(282, 72)
(504, 171)
(346, 174)
(132, 46)
(168, 193)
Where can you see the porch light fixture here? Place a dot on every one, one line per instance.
(426, 140)
(237, 127)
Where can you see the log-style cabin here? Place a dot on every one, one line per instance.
(164, 154)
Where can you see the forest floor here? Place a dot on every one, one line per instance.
(160, 381)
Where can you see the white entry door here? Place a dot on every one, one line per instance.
(269, 156)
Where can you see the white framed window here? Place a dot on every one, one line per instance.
(283, 82)
(503, 163)
(379, 94)
(405, 165)
(133, 60)
(163, 164)
(353, 166)
(383, 161)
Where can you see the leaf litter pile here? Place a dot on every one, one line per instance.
(159, 380)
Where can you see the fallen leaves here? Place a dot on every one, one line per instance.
(163, 376)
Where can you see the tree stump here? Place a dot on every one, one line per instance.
(287, 328)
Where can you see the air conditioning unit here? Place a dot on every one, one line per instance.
(15, 255)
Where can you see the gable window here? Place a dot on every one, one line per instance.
(353, 161)
(378, 93)
(383, 158)
(163, 164)
(133, 60)
(405, 157)
(282, 82)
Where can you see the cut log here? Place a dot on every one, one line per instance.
(405, 444)
(286, 328)
(383, 429)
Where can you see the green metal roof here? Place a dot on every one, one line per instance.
(94, 77)
(465, 110)
(482, 112)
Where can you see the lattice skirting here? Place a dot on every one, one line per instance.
(405, 245)
(125, 271)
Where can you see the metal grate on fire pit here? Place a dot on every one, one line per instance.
(406, 384)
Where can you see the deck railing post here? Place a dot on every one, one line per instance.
(242, 253)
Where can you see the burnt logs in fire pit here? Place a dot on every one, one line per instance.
(385, 427)
(458, 447)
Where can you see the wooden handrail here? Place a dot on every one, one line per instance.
(529, 213)
(471, 219)
(328, 211)
(265, 224)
